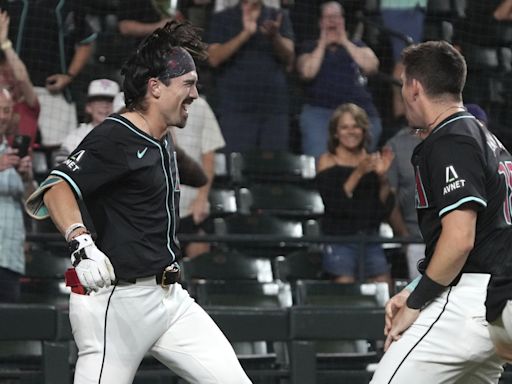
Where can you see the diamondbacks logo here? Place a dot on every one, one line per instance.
(72, 161)
(420, 195)
(452, 181)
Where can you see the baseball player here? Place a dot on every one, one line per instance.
(125, 173)
(436, 328)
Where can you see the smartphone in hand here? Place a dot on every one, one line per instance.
(22, 144)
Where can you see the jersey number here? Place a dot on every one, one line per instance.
(505, 169)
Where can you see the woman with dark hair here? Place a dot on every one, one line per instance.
(356, 194)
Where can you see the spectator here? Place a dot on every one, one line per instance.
(14, 76)
(16, 180)
(100, 97)
(200, 138)
(221, 5)
(251, 45)
(403, 218)
(137, 19)
(406, 17)
(54, 41)
(333, 68)
(356, 194)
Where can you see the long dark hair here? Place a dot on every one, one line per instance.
(151, 57)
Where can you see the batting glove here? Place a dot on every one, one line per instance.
(93, 267)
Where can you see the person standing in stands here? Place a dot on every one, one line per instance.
(16, 182)
(54, 40)
(251, 48)
(333, 69)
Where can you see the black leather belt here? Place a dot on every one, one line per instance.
(169, 276)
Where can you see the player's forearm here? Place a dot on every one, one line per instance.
(62, 206)
(219, 53)
(453, 247)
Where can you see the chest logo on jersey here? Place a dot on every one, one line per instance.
(73, 160)
(140, 154)
(452, 181)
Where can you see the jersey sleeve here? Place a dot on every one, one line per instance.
(96, 162)
(457, 171)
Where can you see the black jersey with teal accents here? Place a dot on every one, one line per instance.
(130, 186)
(459, 163)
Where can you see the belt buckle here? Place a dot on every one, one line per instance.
(172, 269)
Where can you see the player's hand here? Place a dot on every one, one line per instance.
(4, 26)
(401, 322)
(393, 305)
(94, 269)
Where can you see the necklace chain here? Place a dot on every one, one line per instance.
(144, 118)
(442, 113)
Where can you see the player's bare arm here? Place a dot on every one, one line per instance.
(62, 206)
(453, 247)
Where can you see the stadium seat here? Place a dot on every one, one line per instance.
(260, 225)
(222, 202)
(225, 265)
(342, 353)
(261, 165)
(310, 327)
(43, 281)
(258, 354)
(282, 200)
(301, 264)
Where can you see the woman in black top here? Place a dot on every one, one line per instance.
(356, 195)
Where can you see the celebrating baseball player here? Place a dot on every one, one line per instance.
(126, 300)
(436, 328)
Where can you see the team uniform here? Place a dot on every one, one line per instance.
(130, 185)
(459, 163)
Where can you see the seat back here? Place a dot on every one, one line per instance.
(271, 165)
(222, 202)
(302, 264)
(282, 200)
(320, 293)
(226, 265)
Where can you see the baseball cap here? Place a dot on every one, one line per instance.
(477, 111)
(102, 88)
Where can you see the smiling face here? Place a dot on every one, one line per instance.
(99, 109)
(176, 98)
(350, 135)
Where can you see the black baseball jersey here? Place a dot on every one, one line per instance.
(461, 162)
(130, 185)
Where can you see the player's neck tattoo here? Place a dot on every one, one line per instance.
(434, 123)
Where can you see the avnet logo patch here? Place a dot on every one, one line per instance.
(452, 180)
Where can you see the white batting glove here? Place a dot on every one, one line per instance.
(93, 267)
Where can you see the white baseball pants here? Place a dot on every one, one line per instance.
(145, 317)
(448, 343)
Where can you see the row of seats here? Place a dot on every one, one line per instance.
(297, 330)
